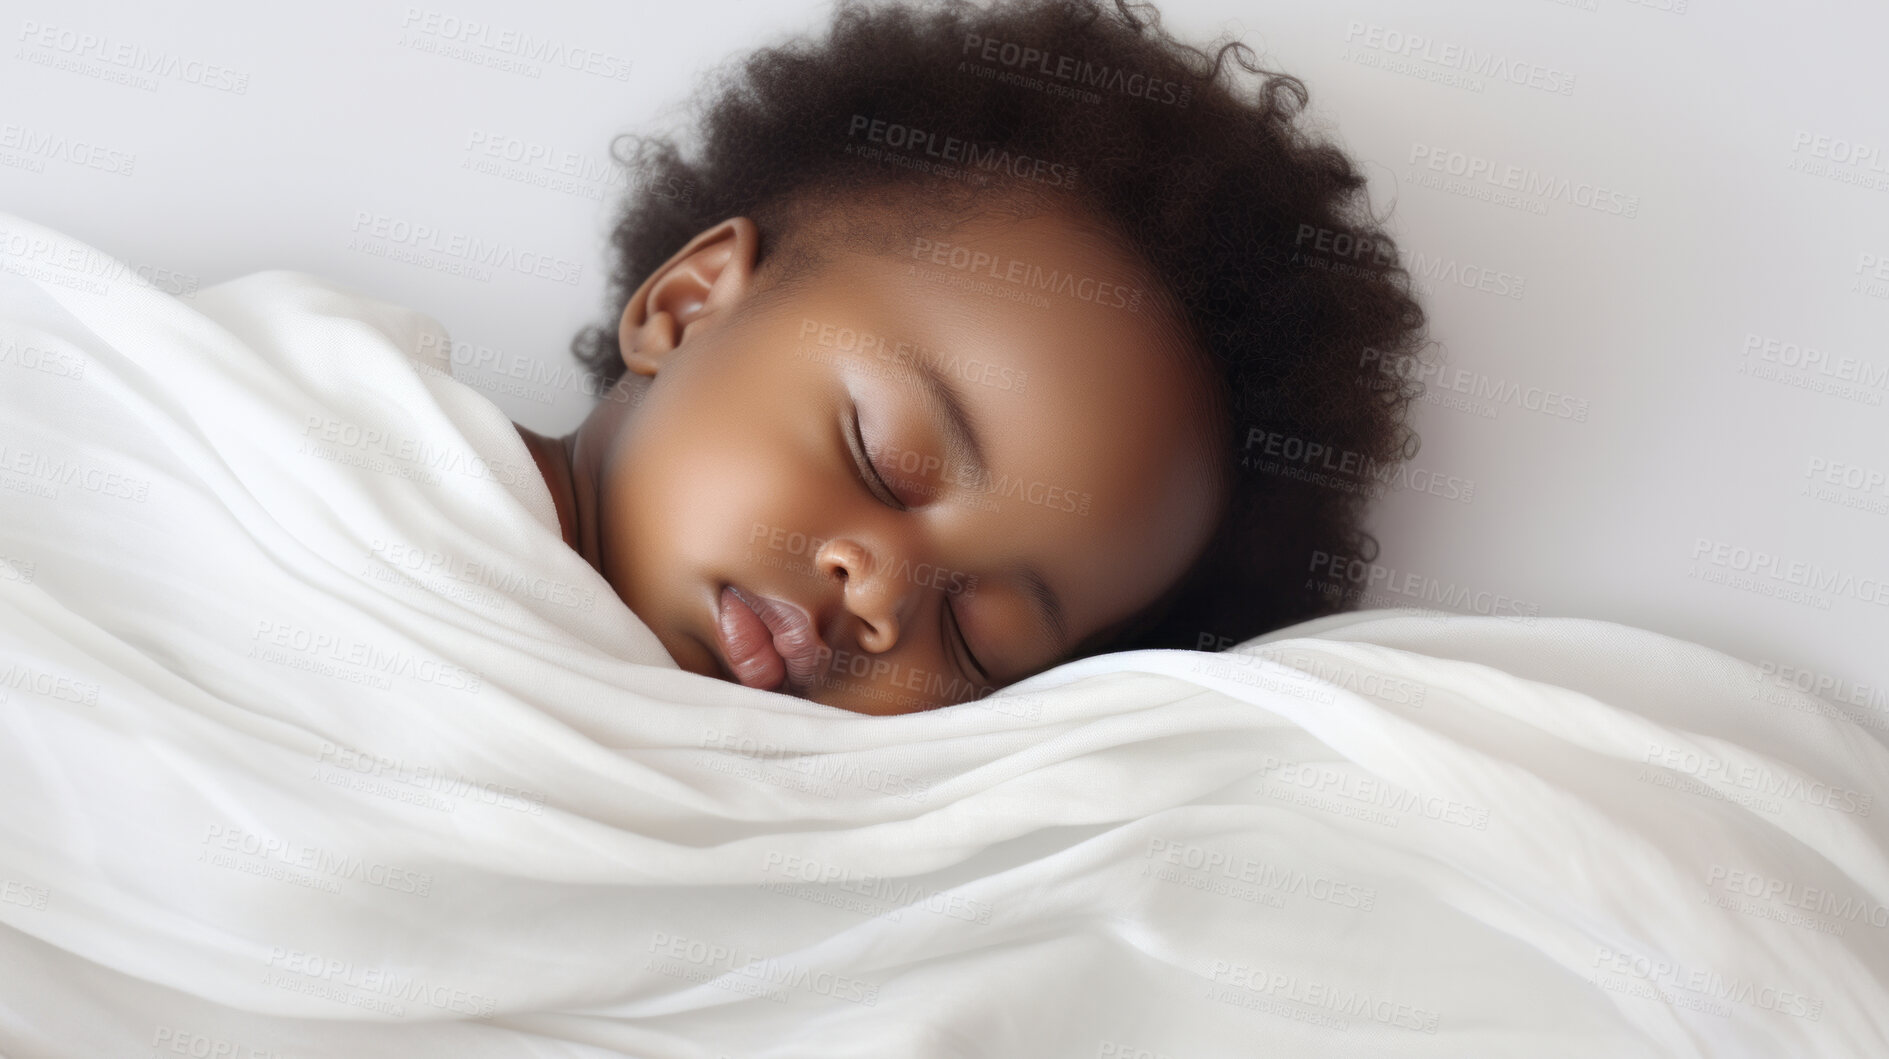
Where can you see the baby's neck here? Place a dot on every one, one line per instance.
(554, 459)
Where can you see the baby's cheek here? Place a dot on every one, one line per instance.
(716, 509)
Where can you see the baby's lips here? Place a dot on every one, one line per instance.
(800, 648)
(749, 643)
(796, 640)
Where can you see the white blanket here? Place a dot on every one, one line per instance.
(316, 741)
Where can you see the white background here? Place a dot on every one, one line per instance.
(1733, 125)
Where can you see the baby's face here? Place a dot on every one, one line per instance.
(907, 484)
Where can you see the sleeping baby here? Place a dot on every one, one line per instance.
(952, 362)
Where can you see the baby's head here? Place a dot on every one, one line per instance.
(936, 367)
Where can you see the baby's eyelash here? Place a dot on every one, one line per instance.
(868, 473)
(965, 642)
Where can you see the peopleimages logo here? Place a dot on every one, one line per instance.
(1024, 58)
(321, 863)
(1448, 55)
(984, 157)
(1824, 685)
(1524, 180)
(717, 961)
(70, 264)
(1027, 274)
(1842, 151)
(928, 575)
(1759, 778)
(1849, 907)
(1811, 359)
(1274, 452)
(894, 893)
(502, 40)
(1756, 562)
(1683, 985)
(373, 988)
(39, 145)
(1353, 574)
(894, 351)
(137, 66)
(387, 231)
(1315, 997)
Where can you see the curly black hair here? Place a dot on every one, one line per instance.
(1257, 231)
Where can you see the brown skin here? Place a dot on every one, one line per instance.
(731, 464)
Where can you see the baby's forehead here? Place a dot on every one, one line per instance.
(1030, 306)
(1014, 237)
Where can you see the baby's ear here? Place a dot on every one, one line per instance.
(708, 277)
